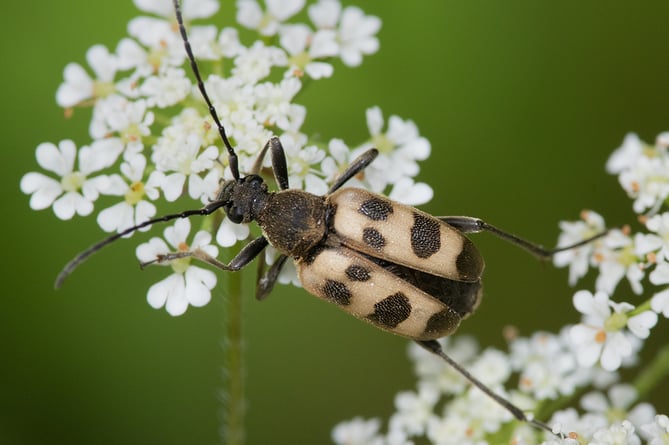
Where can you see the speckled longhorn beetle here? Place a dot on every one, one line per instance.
(386, 263)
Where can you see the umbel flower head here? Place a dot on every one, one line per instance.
(153, 141)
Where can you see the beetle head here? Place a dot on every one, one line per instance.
(243, 198)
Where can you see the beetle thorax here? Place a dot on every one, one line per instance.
(293, 221)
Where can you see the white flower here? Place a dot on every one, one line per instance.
(657, 431)
(301, 161)
(250, 15)
(325, 13)
(408, 192)
(130, 120)
(431, 369)
(182, 156)
(491, 367)
(453, 429)
(399, 149)
(547, 366)
(165, 47)
(660, 301)
(618, 258)
(602, 335)
(188, 285)
(356, 35)
(569, 423)
(133, 210)
(228, 42)
(578, 259)
(131, 55)
(229, 233)
(255, 63)
(659, 224)
(162, 38)
(339, 159)
(75, 190)
(414, 409)
(616, 434)
(647, 181)
(79, 86)
(357, 432)
(618, 406)
(304, 47)
(168, 88)
(626, 155)
(274, 102)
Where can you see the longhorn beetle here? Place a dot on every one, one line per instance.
(389, 264)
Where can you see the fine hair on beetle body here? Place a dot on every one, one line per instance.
(388, 264)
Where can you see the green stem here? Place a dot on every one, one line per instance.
(234, 404)
(652, 374)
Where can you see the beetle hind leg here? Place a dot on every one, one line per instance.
(435, 348)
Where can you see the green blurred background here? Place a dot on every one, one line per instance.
(523, 102)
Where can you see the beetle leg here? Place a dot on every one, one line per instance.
(435, 348)
(244, 257)
(468, 224)
(355, 167)
(266, 281)
(279, 166)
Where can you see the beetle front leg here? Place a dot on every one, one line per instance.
(468, 224)
(244, 257)
(279, 165)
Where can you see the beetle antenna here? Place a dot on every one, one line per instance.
(232, 156)
(83, 256)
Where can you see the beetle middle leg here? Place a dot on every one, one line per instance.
(355, 167)
(468, 224)
(267, 280)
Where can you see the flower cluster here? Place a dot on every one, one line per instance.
(153, 139)
(545, 373)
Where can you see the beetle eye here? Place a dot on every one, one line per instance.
(234, 214)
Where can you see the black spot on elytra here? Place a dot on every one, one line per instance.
(391, 311)
(442, 323)
(373, 238)
(469, 262)
(337, 292)
(357, 273)
(376, 209)
(425, 236)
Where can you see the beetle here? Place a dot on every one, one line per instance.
(388, 264)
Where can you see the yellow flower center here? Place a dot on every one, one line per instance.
(73, 181)
(135, 193)
(382, 143)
